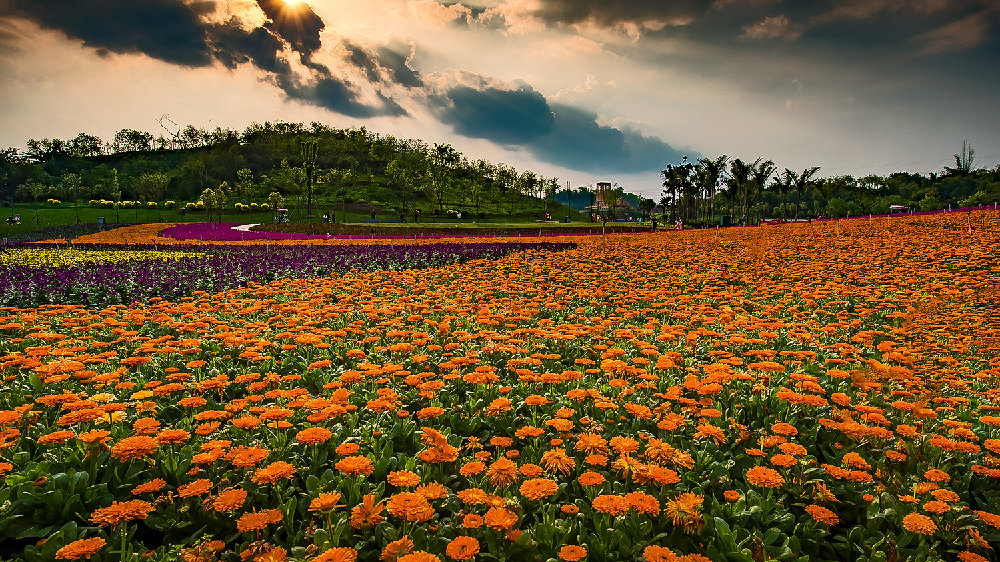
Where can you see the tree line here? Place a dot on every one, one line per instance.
(704, 191)
(313, 165)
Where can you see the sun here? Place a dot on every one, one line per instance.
(295, 4)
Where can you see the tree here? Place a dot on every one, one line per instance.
(784, 184)
(802, 182)
(86, 145)
(244, 181)
(738, 183)
(676, 180)
(443, 159)
(151, 186)
(130, 140)
(963, 161)
(762, 171)
(308, 150)
(69, 188)
(646, 208)
(711, 177)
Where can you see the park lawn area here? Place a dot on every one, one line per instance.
(795, 392)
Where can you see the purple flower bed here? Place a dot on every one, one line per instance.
(223, 232)
(225, 267)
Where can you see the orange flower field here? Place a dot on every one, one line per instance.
(797, 392)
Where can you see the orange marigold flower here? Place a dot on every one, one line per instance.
(654, 553)
(94, 436)
(503, 472)
(132, 448)
(432, 491)
(937, 475)
(823, 515)
(83, 548)
(230, 500)
(152, 486)
(782, 428)
(337, 554)
(538, 488)
(472, 468)
(472, 521)
(403, 478)
(419, 556)
(920, 524)
(643, 503)
(172, 436)
(500, 518)
(935, 506)
(356, 465)
(346, 449)
(368, 513)
(253, 521)
(270, 474)
(410, 506)
(246, 457)
(556, 460)
(610, 504)
(989, 518)
(313, 435)
(966, 556)
(709, 431)
(326, 501)
(196, 488)
(56, 437)
(765, 477)
(119, 512)
(684, 512)
(731, 495)
(572, 553)
(397, 548)
(462, 548)
(783, 460)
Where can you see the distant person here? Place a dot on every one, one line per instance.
(743, 220)
(654, 224)
(402, 217)
(459, 215)
(326, 217)
(416, 215)
(373, 214)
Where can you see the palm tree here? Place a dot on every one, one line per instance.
(712, 172)
(784, 184)
(801, 183)
(739, 182)
(762, 171)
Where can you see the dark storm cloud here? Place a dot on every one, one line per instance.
(168, 30)
(555, 133)
(612, 13)
(578, 142)
(298, 25)
(502, 116)
(395, 65)
(384, 65)
(232, 46)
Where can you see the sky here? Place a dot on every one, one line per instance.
(582, 90)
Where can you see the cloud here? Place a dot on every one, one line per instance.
(509, 117)
(774, 27)
(232, 45)
(865, 9)
(168, 30)
(296, 23)
(960, 35)
(382, 65)
(612, 14)
(556, 133)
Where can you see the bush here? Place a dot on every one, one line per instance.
(152, 205)
(169, 204)
(54, 202)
